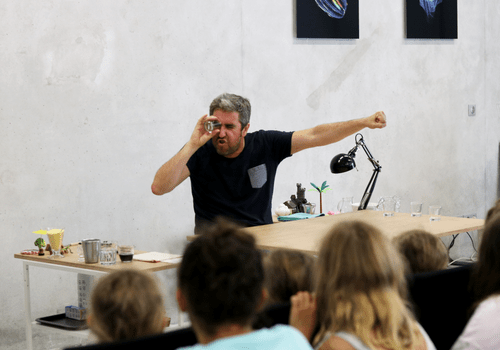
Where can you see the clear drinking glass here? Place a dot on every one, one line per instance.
(107, 255)
(389, 206)
(211, 125)
(56, 236)
(79, 251)
(435, 212)
(126, 252)
(310, 208)
(345, 205)
(416, 209)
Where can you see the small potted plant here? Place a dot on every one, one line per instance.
(324, 187)
(40, 243)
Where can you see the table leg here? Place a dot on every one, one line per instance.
(27, 306)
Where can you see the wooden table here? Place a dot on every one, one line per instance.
(70, 263)
(306, 235)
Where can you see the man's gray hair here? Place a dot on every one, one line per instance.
(232, 103)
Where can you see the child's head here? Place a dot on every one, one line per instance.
(424, 252)
(487, 271)
(361, 288)
(356, 258)
(286, 273)
(493, 210)
(126, 304)
(220, 278)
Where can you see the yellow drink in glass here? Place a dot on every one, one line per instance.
(55, 238)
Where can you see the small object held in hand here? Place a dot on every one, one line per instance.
(211, 125)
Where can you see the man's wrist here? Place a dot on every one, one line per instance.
(191, 147)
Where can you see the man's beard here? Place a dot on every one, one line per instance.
(229, 150)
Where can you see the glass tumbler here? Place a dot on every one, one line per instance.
(126, 253)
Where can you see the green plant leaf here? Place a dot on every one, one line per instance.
(316, 187)
(323, 185)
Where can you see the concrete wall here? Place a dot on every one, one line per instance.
(96, 95)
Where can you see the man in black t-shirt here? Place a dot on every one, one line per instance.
(232, 171)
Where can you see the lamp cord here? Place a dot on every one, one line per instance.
(452, 243)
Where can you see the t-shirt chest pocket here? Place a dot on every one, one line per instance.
(258, 176)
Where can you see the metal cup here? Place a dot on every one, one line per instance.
(91, 249)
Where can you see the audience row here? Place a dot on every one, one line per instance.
(353, 295)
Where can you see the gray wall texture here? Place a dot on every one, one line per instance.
(96, 95)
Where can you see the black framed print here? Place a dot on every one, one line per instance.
(431, 19)
(323, 19)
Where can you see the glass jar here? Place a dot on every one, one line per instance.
(107, 256)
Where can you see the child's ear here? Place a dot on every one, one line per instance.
(181, 300)
(89, 320)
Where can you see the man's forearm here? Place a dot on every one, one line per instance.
(173, 172)
(326, 134)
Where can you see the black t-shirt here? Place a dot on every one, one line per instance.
(239, 188)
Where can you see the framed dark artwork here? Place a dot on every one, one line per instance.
(327, 19)
(431, 19)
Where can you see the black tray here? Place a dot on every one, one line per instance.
(62, 321)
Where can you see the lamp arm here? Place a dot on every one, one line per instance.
(369, 190)
(352, 152)
(374, 162)
(350, 159)
(373, 180)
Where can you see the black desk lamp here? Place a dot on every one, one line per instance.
(345, 162)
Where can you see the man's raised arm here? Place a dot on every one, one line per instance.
(326, 134)
(175, 171)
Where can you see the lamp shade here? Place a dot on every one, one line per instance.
(342, 163)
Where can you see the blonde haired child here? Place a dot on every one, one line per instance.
(126, 304)
(360, 295)
(423, 251)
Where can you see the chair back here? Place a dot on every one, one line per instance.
(442, 301)
(272, 315)
(165, 341)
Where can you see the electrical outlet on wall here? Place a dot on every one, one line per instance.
(472, 110)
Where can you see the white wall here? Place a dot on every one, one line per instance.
(96, 95)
